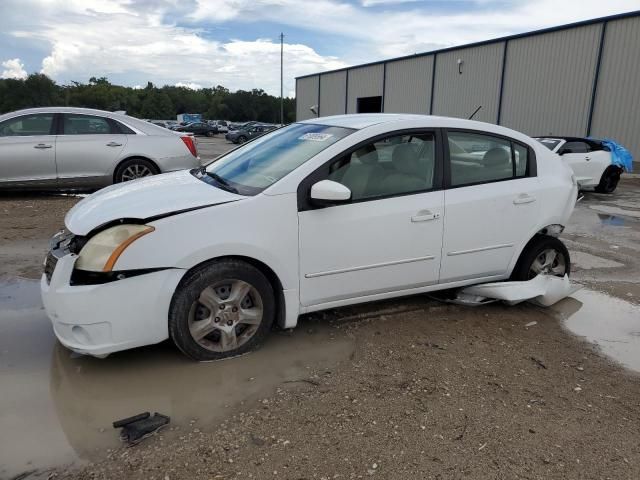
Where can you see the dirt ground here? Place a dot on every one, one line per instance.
(428, 390)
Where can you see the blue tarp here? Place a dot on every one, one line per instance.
(620, 156)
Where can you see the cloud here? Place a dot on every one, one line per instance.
(413, 28)
(206, 42)
(189, 85)
(13, 68)
(118, 42)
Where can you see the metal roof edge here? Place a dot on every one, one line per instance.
(567, 26)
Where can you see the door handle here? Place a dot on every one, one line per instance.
(114, 144)
(524, 198)
(587, 158)
(42, 146)
(424, 216)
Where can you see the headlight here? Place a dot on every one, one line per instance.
(103, 249)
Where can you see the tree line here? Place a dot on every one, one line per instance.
(152, 102)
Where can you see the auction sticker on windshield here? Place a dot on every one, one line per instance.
(316, 137)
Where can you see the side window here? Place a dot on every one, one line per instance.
(521, 156)
(574, 147)
(478, 158)
(27, 125)
(77, 124)
(126, 130)
(394, 165)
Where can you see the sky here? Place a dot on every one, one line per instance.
(235, 43)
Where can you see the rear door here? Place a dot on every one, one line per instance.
(28, 149)
(490, 204)
(88, 146)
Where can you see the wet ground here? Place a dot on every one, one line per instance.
(452, 391)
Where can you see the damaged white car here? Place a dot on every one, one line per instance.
(597, 164)
(318, 214)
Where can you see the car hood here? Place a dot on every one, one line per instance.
(144, 199)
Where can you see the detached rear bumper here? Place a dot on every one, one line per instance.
(101, 319)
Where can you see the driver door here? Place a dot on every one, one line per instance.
(388, 237)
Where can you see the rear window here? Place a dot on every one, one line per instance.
(550, 143)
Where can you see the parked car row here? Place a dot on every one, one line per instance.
(77, 148)
(248, 132)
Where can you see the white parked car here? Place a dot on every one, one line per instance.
(589, 159)
(72, 148)
(318, 214)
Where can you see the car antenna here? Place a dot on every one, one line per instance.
(474, 113)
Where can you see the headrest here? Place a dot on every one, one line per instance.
(405, 159)
(367, 155)
(497, 156)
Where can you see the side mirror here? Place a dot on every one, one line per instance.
(327, 192)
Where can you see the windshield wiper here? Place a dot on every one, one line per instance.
(222, 182)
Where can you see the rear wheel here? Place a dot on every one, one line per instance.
(221, 310)
(134, 168)
(210, 133)
(542, 255)
(609, 180)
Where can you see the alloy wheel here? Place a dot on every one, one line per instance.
(135, 171)
(549, 262)
(226, 315)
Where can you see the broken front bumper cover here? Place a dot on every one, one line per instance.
(101, 319)
(543, 290)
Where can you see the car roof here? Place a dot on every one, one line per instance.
(143, 126)
(361, 121)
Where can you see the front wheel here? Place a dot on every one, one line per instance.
(242, 139)
(221, 310)
(542, 255)
(210, 133)
(609, 180)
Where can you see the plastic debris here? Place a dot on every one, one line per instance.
(137, 428)
(620, 156)
(543, 290)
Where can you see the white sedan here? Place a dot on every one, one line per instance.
(315, 215)
(590, 160)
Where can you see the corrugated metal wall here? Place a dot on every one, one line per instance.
(459, 94)
(548, 81)
(364, 82)
(333, 88)
(617, 106)
(408, 85)
(306, 96)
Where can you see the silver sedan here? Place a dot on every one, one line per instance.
(78, 148)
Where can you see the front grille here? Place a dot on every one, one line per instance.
(50, 265)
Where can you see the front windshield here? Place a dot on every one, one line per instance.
(250, 169)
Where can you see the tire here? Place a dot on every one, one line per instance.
(242, 139)
(609, 180)
(532, 253)
(199, 307)
(127, 170)
(210, 133)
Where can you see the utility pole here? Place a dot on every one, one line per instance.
(281, 78)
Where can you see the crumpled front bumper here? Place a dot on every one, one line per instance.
(101, 319)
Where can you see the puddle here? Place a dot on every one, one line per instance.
(615, 211)
(612, 220)
(609, 322)
(58, 407)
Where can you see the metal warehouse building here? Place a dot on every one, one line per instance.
(578, 79)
